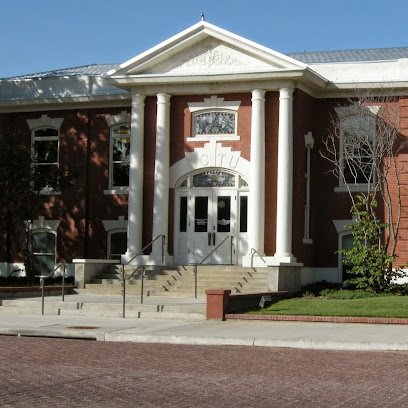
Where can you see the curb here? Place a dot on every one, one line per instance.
(311, 319)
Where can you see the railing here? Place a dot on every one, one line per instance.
(143, 274)
(252, 253)
(195, 266)
(44, 277)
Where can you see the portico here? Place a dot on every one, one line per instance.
(203, 65)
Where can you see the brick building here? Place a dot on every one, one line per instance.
(204, 137)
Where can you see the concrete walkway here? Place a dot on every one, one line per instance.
(209, 332)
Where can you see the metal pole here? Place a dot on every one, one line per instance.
(163, 241)
(63, 282)
(195, 281)
(42, 295)
(142, 284)
(123, 292)
(232, 239)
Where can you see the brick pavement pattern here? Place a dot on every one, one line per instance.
(44, 372)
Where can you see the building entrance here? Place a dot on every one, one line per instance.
(211, 210)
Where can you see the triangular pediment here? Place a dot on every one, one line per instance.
(209, 55)
(206, 49)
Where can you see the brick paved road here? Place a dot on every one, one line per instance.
(36, 372)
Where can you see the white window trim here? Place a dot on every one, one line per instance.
(112, 227)
(122, 118)
(43, 225)
(213, 104)
(350, 111)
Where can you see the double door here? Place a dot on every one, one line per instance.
(212, 219)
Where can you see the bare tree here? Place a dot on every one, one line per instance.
(364, 146)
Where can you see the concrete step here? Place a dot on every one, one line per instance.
(185, 310)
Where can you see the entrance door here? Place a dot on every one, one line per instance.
(212, 218)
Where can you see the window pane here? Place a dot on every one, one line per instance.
(43, 242)
(201, 214)
(46, 132)
(224, 214)
(121, 149)
(243, 216)
(43, 264)
(45, 151)
(45, 175)
(120, 174)
(214, 179)
(215, 123)
(118, 243)
(183, 214)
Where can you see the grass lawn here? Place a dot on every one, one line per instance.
(380, 306)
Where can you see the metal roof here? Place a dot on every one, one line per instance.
(88, 70)
(365, 55)
(317, 57)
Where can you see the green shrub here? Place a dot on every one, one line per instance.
(346, 294)
(371, 266)
(316, 287)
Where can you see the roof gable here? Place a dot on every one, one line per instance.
(202, 49)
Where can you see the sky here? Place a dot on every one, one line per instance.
(42, 35)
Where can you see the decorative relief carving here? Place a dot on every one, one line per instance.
(209, 55)
(213, 59)
(213, 155)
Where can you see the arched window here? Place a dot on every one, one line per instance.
(212, 178)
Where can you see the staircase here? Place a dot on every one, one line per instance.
(104, 306)
(168, 292)
(179, 281)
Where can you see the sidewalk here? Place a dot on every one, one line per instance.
(337, 336)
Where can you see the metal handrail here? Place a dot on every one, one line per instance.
(163, 237)
(143, 272)
(252, 253)
(195, 266)
(44, 277)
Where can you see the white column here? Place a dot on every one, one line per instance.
(285, 178)
(161, 172)
(135, 199)
(256, 213)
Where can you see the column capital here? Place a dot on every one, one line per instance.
(286, 93)
(163, 97)
(137, 99)
(258, 94)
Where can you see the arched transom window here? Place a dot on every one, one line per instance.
(213, 178)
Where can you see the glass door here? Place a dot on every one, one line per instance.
(214, 214)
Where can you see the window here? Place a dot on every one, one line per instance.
(214, 118)
(357, 149)
(117, 244)
(214, 123)
(45, 147)
(43, 247)
(116, 237)
(212, 178)
(119, 156)
(45, 135)
(357, 138)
